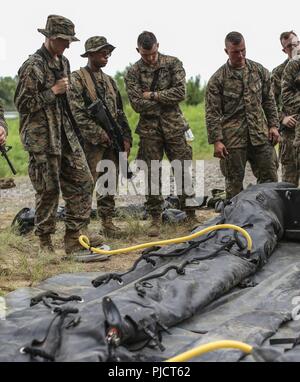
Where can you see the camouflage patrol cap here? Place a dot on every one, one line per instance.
(93, 44)
(59, 27)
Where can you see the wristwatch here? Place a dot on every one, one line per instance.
(152, 96)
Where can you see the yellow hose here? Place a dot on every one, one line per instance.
(212, 346)
(84, 241)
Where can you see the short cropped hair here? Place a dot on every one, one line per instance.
(234, 38)
(285, 35)
(146, 40)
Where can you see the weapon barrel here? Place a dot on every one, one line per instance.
(99, 111)
(4, 154)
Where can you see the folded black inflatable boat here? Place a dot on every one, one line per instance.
(176, 298)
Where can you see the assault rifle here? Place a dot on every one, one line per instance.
(102, 115)
(4, 150)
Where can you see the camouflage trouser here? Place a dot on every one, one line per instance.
(255, 167)
(94, 154)
(68, 172)
(175, 148)
(233, 167)
(287, 157)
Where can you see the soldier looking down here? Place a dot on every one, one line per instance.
(289, 41)
(48, 133)
(291, 101)
(155, 86)
(88, 85)
(241, 117)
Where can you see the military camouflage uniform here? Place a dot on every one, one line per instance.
(2, 120)
(238, 104)
(286, 150)
(291, 104)
(161, 126)
(91, 131)
(56, 159)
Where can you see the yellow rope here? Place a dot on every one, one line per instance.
(84, 241)
(212, 346)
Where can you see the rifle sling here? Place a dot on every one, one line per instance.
(90, 82)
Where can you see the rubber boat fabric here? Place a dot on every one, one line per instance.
(176, 298)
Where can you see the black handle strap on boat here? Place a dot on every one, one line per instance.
(294, 341)
(34, 350)
(54, 296)
(105, 279)
(180, 270)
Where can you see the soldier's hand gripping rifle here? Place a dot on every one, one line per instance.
(102, 115)
(58, 75)
(4, 150)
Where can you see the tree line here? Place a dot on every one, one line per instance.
(195, 90)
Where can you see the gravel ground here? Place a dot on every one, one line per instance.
(23, 265)
(12, 200)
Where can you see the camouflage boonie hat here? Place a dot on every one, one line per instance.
(93, 44)
(59, 27)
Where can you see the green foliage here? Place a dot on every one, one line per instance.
(195, 115)
(133, 119)
(195, 92)
(193, 110)
(17, 155)
(7, 91)
(119, 78)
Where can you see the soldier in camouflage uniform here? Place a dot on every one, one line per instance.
(56, 159)
(241, 117)
(286, 151)
(3, 126)
(155, 86)
(97, 145)
(291, 100)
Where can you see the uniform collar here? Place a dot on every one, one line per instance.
(52, 63)
(231, 71)
(146, 68)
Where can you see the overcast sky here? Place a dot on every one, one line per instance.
(192, 30)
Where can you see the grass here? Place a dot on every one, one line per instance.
(193, 114)
(22, 264)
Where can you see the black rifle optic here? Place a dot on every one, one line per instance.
(4, 150)
(100, 112)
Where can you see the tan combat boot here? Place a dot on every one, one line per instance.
(46, 243)
(109, 229)
(154, 229)
(72, 244)
(96, 240)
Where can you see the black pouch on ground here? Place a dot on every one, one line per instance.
(175, 298)
(23, 222)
